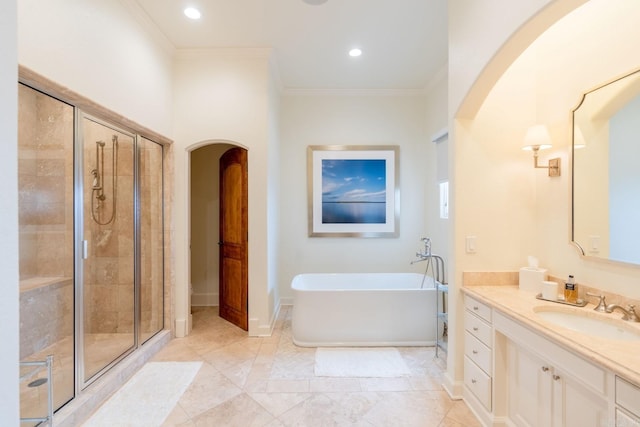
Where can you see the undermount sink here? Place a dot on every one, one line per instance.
(588, 324)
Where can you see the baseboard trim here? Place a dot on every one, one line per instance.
(207, 299)
(264, 330)
(452, 387)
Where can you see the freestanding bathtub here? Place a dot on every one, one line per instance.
(352, 309)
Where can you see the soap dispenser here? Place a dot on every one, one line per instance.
(571, 290)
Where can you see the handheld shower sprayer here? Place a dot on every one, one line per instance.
(424, 255)
(98, 181)
(427, 246)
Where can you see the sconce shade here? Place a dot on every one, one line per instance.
(537, 136)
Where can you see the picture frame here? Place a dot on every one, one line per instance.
(353, 190)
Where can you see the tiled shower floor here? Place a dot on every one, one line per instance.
(99, 347)
(269, 381)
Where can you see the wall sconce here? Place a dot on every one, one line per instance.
(537, 139)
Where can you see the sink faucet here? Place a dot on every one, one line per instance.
(602, 304)
(628, 314)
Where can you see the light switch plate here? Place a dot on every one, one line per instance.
(470, 244)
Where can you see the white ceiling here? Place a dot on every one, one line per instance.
(404, 42)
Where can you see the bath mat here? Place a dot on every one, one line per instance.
(360, 362)
(148, 397)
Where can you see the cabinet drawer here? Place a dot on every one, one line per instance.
(479, 353)
(478, 308)
(478, 328)
(477, 382)
(625, 420)
(628, 396)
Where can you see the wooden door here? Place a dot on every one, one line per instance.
(234, 304)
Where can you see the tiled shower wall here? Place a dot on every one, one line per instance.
(45, 152)
(46, 162)
(109, 269)
(109, 274)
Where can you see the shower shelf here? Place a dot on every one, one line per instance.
(36, 367)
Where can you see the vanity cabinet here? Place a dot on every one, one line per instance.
(516, 373)
(478, 352)
(547, 385)
(542, 394)
(627, 403)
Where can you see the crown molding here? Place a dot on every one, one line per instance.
(145, 21)
(352, 92)
(225, 52)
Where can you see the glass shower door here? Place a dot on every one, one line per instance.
(151, 238)
(45, 179)
(107, 293)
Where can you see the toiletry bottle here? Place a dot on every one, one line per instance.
(571, 290)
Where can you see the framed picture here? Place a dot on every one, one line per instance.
(353, 190)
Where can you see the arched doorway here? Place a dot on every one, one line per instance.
(218, 236)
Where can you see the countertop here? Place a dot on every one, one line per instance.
(618, 356)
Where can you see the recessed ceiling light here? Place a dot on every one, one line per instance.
(192, 13)
(355, 52)
(314, 2)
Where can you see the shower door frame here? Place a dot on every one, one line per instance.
(80, 248)
(84, 107)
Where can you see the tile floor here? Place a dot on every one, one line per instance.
(269, 381)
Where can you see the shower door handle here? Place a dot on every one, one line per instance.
(85, 249)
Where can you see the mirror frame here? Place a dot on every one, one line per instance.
(576, 244)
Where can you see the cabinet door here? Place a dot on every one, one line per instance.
(576, 406)
(529, 388)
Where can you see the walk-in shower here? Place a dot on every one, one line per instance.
(91, 246)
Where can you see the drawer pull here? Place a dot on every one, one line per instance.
(474, 351)
(473, 381)
(475, 307)
(545, 369)
(556, 377)
(475, 329)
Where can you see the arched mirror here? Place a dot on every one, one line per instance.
(606, 171)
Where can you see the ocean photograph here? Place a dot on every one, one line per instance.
(354, 191)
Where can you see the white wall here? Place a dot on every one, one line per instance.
(273, 189)
(9, 318)
(97, 49)
(570, 58)
(332, 119)
(436, 122)
(514, 209)
(223, 95)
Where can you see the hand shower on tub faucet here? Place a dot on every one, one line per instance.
(425, 255)
(427, 246)
(426, 252)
